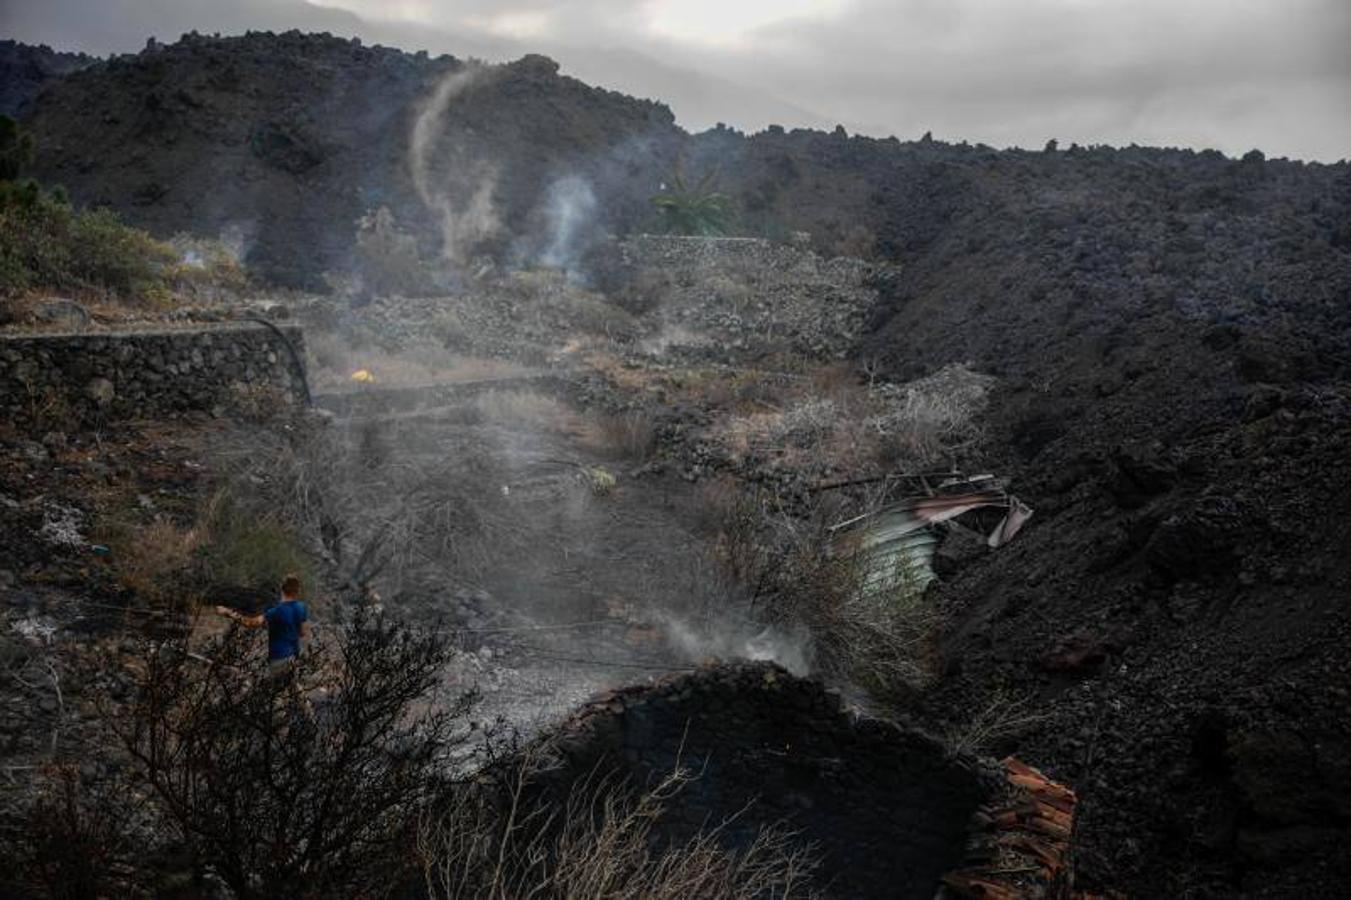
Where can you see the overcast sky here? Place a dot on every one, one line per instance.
(1228, 74)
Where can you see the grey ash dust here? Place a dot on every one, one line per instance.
(560, 566)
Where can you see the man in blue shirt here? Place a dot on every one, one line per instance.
(286, 623)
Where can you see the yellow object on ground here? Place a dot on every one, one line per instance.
(601, 481)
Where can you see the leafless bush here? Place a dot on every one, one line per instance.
(876, 638)
(799, 577)
(522, 407)
(737, 518)
(76, 841)
(1004, 715)
(48, 410)
(592, 315)
(281, 798)
(647, 290)
(732, 293)
(257, 401)
(932, 417)
(295, 483)
(388, 256)
(599, 842)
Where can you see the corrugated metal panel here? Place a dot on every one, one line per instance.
(895, 545)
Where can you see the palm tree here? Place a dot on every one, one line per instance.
(700, 209)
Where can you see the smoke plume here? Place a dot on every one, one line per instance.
(570, 214)
(464, 222)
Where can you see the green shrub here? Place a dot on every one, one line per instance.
(47, 243)
(251, 553)
(16, 149)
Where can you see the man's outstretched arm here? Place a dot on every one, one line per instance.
(254, 621)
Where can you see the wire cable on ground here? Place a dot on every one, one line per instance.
(542, 653)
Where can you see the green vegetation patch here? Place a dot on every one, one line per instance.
(46, 243)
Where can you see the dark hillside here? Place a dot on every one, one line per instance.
(1172, 335)
(25, 70)
(287, 140)
(1173, 332)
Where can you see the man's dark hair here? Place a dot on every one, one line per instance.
(290, 586)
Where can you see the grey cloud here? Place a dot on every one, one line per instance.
(1232, 74)
(122, 26)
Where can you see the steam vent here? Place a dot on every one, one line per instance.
(891, 810)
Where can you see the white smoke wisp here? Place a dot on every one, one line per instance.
(790, 648)
(462, 226)
(570, 212)
(238, 238)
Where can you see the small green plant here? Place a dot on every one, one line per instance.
(698, 209)
(248, 552)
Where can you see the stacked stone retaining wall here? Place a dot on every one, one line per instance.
(55, 380)
(754, 295)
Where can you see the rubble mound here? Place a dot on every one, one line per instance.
(890, 809)
(747, 296)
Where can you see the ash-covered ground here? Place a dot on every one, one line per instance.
(561, 564)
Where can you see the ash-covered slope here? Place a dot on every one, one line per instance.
(285, 141)
(25, 70)
(1172, 335)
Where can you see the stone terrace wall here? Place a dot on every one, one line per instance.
(53, 379)
(889, 808)
(748, 294)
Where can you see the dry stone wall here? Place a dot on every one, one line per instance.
(83, 379)
(753, 295)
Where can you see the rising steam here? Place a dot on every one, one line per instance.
(570, 213)
(464, 224)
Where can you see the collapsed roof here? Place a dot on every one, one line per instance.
(895, 543)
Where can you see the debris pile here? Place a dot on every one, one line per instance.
(897, 542)
(888, 807)
(747, 296)
(1020, 847)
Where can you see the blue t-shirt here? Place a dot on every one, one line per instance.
(283, 628)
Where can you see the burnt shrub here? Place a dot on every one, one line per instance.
(305, 782)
